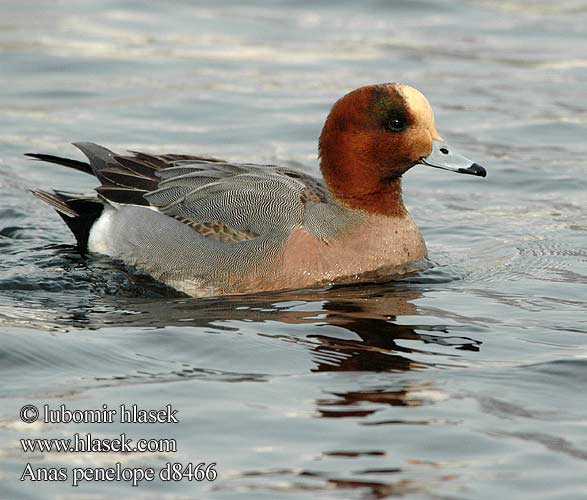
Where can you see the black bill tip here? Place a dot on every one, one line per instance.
(474, 169)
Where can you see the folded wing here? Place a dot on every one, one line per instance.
(220, 200)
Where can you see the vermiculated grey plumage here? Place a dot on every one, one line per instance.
(199, 223)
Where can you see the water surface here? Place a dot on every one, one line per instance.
(466, 381)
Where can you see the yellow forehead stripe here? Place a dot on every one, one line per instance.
(420, 107)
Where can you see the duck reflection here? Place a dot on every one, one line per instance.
(350, 328)
(367, 402)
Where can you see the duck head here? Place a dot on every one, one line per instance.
(372, 136)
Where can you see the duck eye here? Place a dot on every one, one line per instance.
(395, 124)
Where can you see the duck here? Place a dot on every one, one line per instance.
(209, 227)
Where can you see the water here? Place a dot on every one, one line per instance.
(466, 381)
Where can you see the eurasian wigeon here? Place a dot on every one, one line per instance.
(206, 227)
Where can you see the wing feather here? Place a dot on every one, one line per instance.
(231, 202)
(254, 198)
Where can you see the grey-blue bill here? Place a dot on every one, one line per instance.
(445, 157)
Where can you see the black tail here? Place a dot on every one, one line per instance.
(78, 212)
(82, 166)
(124, 179)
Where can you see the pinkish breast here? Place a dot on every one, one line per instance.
(378, 243)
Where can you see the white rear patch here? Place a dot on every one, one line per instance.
(99, 240)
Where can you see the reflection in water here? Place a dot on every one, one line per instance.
(361, 333)
(358, 325)
(345, 329)
(385, 482)
(405, 396)
(290, 481)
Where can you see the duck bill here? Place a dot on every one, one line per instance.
(445, 157)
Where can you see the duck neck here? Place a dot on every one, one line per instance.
(357, 169)
(359, 188)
